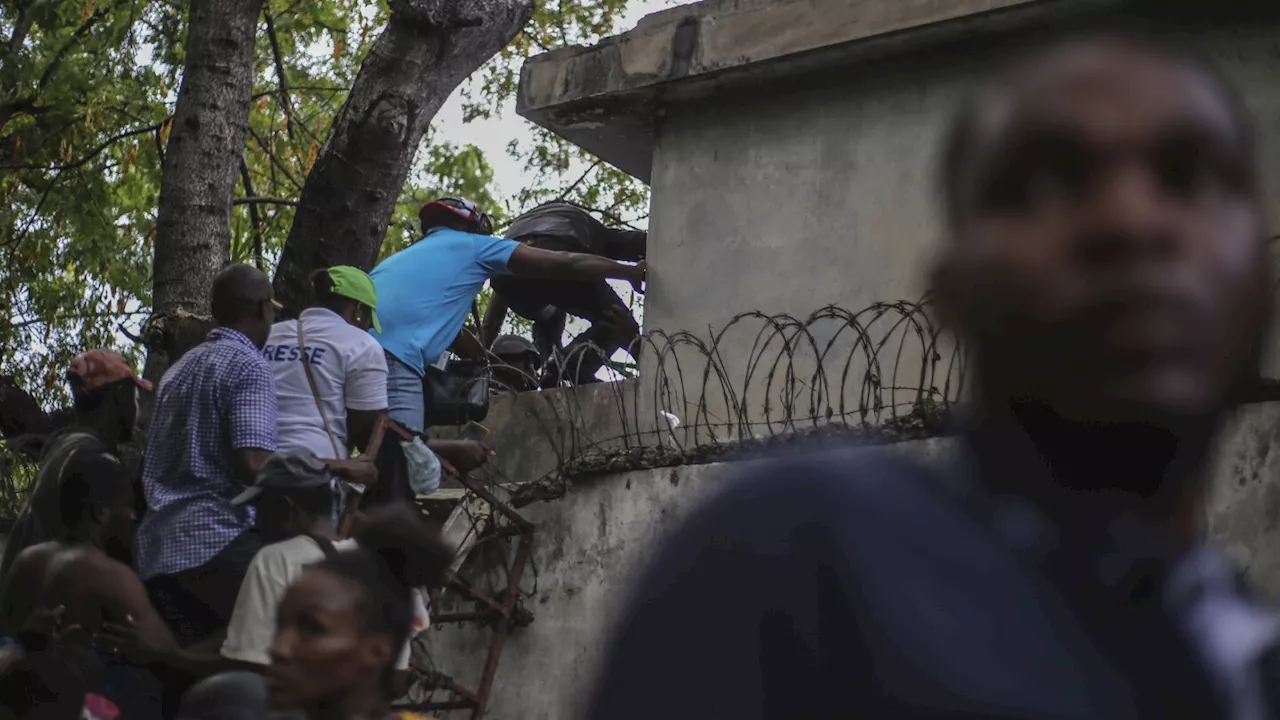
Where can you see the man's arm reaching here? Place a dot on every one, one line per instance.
(200, 660)
(553, 265)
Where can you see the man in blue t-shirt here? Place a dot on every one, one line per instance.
(426, 290)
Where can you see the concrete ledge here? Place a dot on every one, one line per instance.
(605, 98)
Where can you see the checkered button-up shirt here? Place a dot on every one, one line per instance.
(217, 398)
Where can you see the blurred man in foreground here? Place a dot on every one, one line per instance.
(1108, 272)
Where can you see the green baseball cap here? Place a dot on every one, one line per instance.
(354, 283)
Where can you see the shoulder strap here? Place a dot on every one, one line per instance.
(326, 545)
(315, 392)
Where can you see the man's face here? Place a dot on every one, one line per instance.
(1109, 256)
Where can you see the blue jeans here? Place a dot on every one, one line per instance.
(405, 402)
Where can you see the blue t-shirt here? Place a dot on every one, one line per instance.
(425, 291)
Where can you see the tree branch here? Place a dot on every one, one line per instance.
(275, 162)
(20, 29)
(91, 154)
(251, 201)
(611, 217)
(73, 41)
(286, 101)
(247, 180)
(281, 76)
(19, 324)
(31, 221)
(569, 190)
(300, 88)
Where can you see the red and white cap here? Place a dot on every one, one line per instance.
(435, 212)
(96, 368)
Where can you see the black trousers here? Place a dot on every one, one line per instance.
(197, 603)
(548, 302)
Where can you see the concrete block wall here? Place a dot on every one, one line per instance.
(590, 544)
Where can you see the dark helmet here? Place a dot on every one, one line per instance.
(438, 212)
(512, 345)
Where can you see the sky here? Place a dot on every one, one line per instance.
(492, 136)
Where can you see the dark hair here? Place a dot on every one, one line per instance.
(397, 551)
(323, 295)
(959, 140)
(238, 293)
(93, 479)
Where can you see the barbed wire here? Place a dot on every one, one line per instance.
(761, 379)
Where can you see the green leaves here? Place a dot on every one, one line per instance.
(86, 91)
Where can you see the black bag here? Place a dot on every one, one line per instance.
(459, 393)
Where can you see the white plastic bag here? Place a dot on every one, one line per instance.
(423, 466)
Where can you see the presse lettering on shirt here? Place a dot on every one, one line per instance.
(289, 353)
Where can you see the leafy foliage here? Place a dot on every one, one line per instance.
(87, 88)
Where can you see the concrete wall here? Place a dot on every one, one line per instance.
(590, 544)
(821, 191)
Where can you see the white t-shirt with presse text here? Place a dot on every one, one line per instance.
(350, 370)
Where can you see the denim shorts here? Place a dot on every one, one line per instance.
(406, 403)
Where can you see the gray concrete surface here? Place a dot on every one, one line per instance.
(1244, 509)
(796, 197)
(533, 433)
(590, 544)
(607, 97)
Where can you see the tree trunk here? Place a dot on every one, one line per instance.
(201, 162)
(198, 177)
(426, 50)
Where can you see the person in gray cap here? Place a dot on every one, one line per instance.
(292, 490)
(293, 501)
(517, 364)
